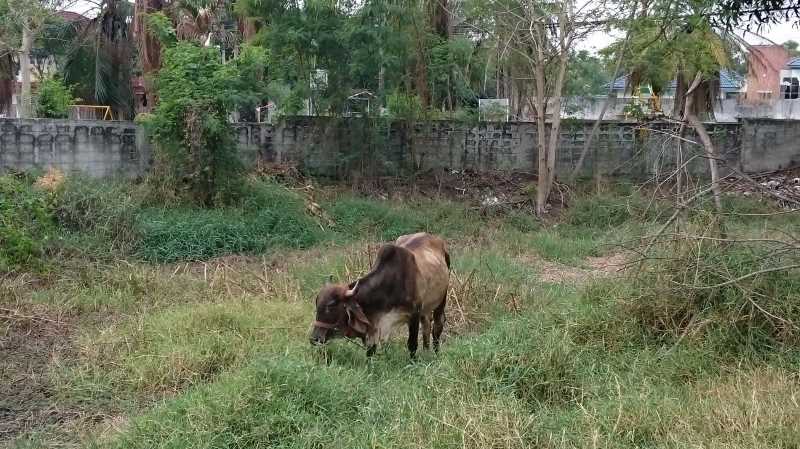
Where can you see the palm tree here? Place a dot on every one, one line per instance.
(100, 59)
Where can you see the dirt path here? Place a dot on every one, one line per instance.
(597, 267)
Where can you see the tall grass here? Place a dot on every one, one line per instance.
(215, 355)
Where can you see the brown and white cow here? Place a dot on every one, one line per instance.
(407, 284)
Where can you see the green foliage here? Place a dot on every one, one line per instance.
(404, 106)
(357, 217)
(161, 26)
(672, 40)
(26, 224)
(587, 75)
(53, 98)
(792, 47)
(190, 124)
(608, 211)
(270, 217)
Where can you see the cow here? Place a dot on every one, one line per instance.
(407, 284)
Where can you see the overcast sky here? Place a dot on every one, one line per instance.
(778, 34)
(597, 41)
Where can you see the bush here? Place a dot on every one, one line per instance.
(26, 223)
(190, 126)
(105, 210)
(729, 294)
(54, 98)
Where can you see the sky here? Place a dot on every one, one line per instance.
(778, 33)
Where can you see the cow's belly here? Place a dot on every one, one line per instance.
(382, 329)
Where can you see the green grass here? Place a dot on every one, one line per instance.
(214, 354)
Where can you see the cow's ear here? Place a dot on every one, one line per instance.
(356, 318)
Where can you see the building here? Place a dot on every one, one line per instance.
(765, 63)
(790, 80)
(731, 85)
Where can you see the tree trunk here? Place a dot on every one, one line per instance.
(8, 82)
(441, 18)
(555, 127)
(542, 189)
(149, 47)
(708, 145)
(25, 106)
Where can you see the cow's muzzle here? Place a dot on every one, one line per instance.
(320, 331)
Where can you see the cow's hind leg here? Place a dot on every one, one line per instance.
(438, 322)
(426, 331)
(413, 333)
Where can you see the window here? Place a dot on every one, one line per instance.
(790, 87)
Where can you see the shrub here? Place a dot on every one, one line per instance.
(105, 210)
(26, 223)
(732, 294)
(54, 98)
(190, 124)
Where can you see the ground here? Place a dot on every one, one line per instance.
(127, 353)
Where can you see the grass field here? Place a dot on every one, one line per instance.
(149, 327)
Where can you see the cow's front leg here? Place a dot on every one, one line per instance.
(413, 333)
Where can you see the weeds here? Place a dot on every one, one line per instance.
(26, 224)
(215, 354)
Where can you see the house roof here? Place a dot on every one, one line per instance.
(71, 16)
(728, 80)
(793, 63)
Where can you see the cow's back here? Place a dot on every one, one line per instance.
(432, 260)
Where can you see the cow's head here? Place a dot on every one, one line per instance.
(338, 314)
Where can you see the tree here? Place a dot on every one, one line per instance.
(587, 75)
(21, 23)
(96, 56)
(54, 98)
(190, 125)
(535, 39)
(792, 47)
(676, 39)
(730, 14)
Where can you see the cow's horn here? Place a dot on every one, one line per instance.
(352, 291)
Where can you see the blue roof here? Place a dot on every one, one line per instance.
(793, 63)
(728, 80)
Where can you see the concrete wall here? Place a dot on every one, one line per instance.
(347, 148)
(94, 148)
(342, 148)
